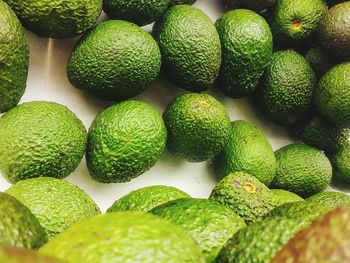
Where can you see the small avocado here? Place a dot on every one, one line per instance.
(320, 60)
(284, 196)
(124, 237)
(330, 200)
(256, 5)
(208, 222)
(146, 198)
(21, 255)
(341, 163)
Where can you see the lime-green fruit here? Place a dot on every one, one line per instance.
(21, 255)
(14, 59)
(284, 196)
(208, 222)
(125, 140)
(40, 139)
(57, 19)
(341, 163)
(18, 226)
(146, 198)
(56, 203)
(302, 169)
(286, 88)
(256, 5)
(320, 60)
(330, 200)
(247, 150)
(198, 127)
(190, 47)
(124, 237)
(246, 42)
(245, 195)
(332, 95)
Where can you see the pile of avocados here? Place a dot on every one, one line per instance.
(290, 59)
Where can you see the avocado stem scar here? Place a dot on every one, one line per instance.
(249, 187)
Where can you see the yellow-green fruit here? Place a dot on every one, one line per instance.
(284, 196)
(330, 199)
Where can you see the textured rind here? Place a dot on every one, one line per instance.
(136, 11)
(320, 60)
(341, 163)
(250, 206)
(40, 139)
(125, 141)
(198, 127)
(247, 150)
(20, 255)
(56, 203)
(332, 96)
(333, 31)
(286, 88)
(208, 222)
(329, 199)
(190, 47)
(14, 59)
(57, 19)
(246, 42)
(146, 198)
(116, 60)
(18, 226)
(284, 196)
(302, 169)
(124, 237)
(259, 242)
(256, 5)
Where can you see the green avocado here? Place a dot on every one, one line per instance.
(57, 19)
(124, 237)
(20, 255)
(14, 59)
(146, 198)
(246, 51)
(330, 200)
(40, 139)
(56, 203)
(284, 196)
(208, 222)
(320, 60)
(341, 163)
(18, 226)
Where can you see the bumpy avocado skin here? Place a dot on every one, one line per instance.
(320, 60)
(40, 139)
(125, 140)
(124, 237)
(10, 254)
(341, 163)
(56, 203)
(247, 150)
(330, 200)
(116, 60)
(190, 47)
(284, 196)
(18, 226)
(57, 19)
(208, 222)
(246, 42)
(14, 59)
(146, 198)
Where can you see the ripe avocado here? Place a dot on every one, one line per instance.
(208, 222)
(256, 5)
(198, 127)
(246, 51)
(190, 47)
(18, 226)
(57, 19)
(14, 59)
(146, 198)
(40, 139)
(56, 203)
(116, 60)
(330, 200)
(284, 196)
(320, 60)
(124, 237)
(247, 150)
(245, 195)
(21, 255)
(341, 163)
(125, 140)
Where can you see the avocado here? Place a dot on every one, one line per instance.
(124, 237)
(116, 60)
(138, 12)
(14, 59)
(190, 47)
(245, 195)
(333, 31)
(286, 89)
(302, 169)
(125, 140)
(320, 60)
(256, 5)
(247, 150)
(208, 222)
(182, 2)
(341, 163)
(332, 96)
(40, 138)
(146, 198)
(246, 51)
(330, 200)
(57, 19)
(21, 255)
(284, 196)
(56, 203)
(198, 127)
(18, 226)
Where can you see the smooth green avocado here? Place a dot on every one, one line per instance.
(10, 254)
(284, 196)
(330, 199)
